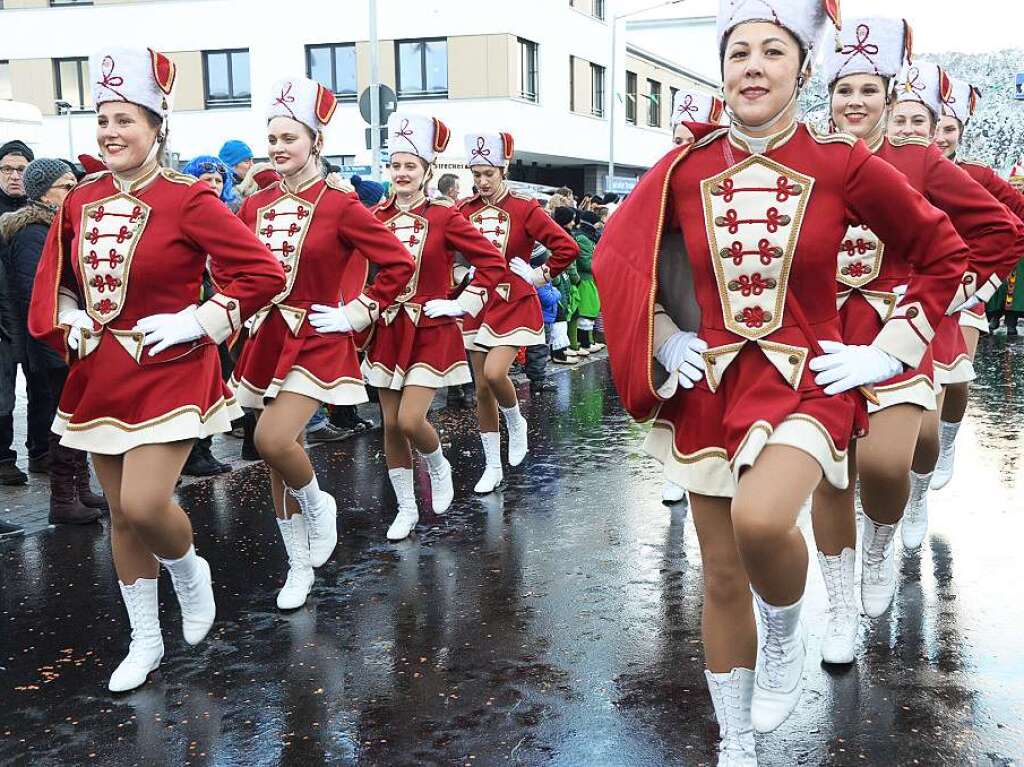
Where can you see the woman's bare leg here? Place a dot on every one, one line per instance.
(727, 626)
(764, 514)
(486, 404)
(926, 454)
(834, 517)
(412, 419)
(396, 446)
(132, 560)
(884, 459)
(277, 433)
(498, 363)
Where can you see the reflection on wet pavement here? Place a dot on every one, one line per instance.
(556, 622)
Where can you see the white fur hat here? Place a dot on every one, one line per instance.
(425, 137)
(134, 76)
(695, 107)
(870, 46)
(962, 101)
(304, 100)
(494, 149)
(924, 82)
(806, 19)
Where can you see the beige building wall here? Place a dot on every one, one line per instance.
(583, 86)
(12, 4)
(188, 87)
(32, 82)
(647, 70)
(482, 66)
(387, 64)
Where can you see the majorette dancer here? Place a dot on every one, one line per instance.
(957, 111)
(512, 317)
(417, 345)
(300, 351)
(861, 72)
(759, 210)
(690, 111)
(690, 107)
(920, 92)
(115, 293)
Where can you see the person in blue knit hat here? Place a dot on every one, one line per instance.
(208, 168)
(238, 157)
(370, 192)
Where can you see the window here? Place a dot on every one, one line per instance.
(335, 67)
(6, 90)
(226, 78)
(599, 9)
(528, 75)
(572, 83)
(58, 3)
(631, 97)
(422, 68)
(597, 84)
(72, 79)
(654, 103)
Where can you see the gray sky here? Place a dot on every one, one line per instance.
(968, 26)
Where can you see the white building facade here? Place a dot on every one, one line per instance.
(536, 68)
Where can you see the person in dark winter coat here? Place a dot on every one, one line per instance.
(14, 158)
(47, 182)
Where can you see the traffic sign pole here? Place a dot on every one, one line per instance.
(374, 91)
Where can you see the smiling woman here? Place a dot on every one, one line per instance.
(717, 279)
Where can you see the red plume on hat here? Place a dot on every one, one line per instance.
(975, 98)
(442, 135)
(945, 86)
(717, 110)
(834, 13)
(91, 164)
(508, 144)
(908, 41)
(326, 103)
(164, 71)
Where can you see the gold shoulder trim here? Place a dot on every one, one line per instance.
(981, 165)
(178, 178)
(830, 138)
(336, 182)
(444, 202)
(519, 195)
(910, 141)
(713, 136)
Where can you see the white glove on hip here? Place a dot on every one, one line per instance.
(970, 303)
(440, 307)
(842, 368)
(77, 320)
(525, 272)
(329, 319)
(681, 354)
(166, 330)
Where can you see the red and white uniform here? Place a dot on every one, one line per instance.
(315, 233)
(868, 270)
(513, 223)
(759, 234)
(124, 251)
(409, 348)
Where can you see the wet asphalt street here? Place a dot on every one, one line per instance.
(555, 623)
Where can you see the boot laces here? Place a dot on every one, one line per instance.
(772, 651)
(840, 608)
(875, 554)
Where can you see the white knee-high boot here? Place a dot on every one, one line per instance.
(731, 695)
(320, 511)
(844, 615)
(147, 646)
(779, 677)
(493, 474)
(518, 444)
(408, 515)
(193, 584)
(442, 491)
(300, 578)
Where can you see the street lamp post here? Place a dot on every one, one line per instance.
(615, 77)
(374, 93)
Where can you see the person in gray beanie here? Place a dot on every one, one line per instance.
(46, 183)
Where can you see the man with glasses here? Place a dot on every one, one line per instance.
(14, 158)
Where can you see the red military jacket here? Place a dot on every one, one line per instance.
(1014, 202)
(124, 251)
(868, 265)
(759, 238)
(432, 232)
(315, 233)
(513, 223)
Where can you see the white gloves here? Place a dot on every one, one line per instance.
(167, 330)
(330, 319)
(77, 320)
(681, 354)
(525, 272)
(970, 303)
(440, 307)
(844, 367)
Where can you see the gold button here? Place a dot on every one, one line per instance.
(794, 360)
(968, 279)
(86, 334)
(912, 312)
(232, 305)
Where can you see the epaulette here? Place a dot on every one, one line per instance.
(519, 195)
(91, 177)
(466, 201)
(981, 165)
(831, 138)
(178, 178)
(711, 137)
(443, 202)
(899, 141)
(334, 181)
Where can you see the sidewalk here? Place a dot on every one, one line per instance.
(28, 505)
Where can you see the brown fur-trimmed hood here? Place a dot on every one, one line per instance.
(32, 213)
